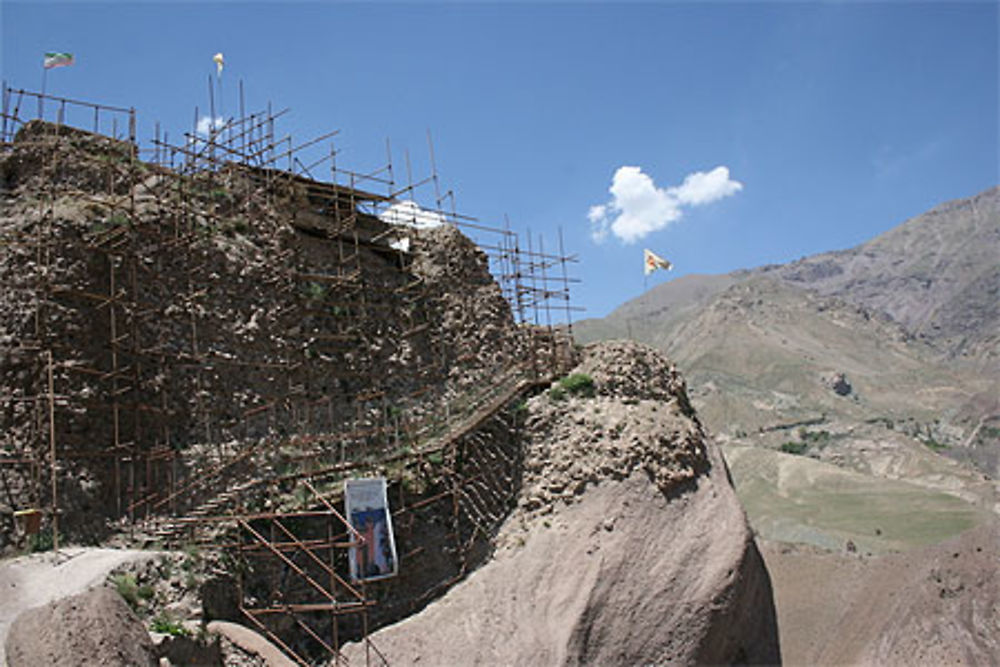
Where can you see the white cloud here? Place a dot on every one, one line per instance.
(706, 187)
(598, 222)
(207, 123)
(409, 213)
(638, 207)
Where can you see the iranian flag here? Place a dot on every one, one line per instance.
(57, 60)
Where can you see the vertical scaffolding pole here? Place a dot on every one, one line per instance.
(6, 109)
(52, 454)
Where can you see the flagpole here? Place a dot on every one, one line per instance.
(41, 98)
(222, 105)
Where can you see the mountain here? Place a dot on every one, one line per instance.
(938, 275)
(882, 360)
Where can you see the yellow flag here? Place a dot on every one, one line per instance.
(652, 262)
(217, 59)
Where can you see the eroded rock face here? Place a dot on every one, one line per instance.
(628, 545)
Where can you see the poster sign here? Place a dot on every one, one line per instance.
(367, 507)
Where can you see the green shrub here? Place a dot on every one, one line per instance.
(41, 541)
(934, 444)
(578, 384)
(126, 586)
(314, 291)
(165, 625)
(145, 592)
(798, 448)
(557, 393)
(191, 558)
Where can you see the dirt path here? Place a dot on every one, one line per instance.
(32, 581)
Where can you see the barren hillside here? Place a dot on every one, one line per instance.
(933, 606)
(937, 275)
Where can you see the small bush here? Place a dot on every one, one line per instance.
(934, 444)
(191, 558)
(145, 592)
(578, 384)
(797, 448)
(126, 586)
(165, 625)
(557, 393)
(314, 291)
(818, 437)
(41, 541)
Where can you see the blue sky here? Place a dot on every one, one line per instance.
(833, 122)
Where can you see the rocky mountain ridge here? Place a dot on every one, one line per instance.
(937, 275)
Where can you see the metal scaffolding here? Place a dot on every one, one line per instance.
(124, 370)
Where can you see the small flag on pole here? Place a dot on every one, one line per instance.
(57, 60)
(219, 62)
(652, 262)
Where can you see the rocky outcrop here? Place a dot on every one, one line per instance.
(839, 384)
(95, 627)
(628, 544)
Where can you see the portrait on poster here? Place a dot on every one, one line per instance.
(367, 509)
